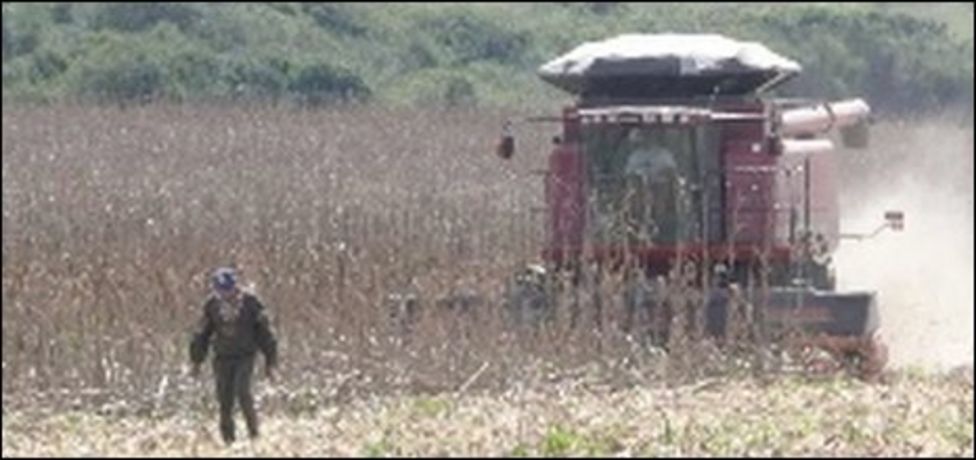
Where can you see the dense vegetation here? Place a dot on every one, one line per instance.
(900, 57)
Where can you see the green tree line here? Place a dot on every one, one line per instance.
(321, 54)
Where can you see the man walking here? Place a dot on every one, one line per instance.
(237, 323)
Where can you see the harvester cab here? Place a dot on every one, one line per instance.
(672, 151)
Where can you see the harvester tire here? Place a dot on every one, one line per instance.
(873, 358)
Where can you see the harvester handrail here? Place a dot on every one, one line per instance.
(864, 236)
(660, 113)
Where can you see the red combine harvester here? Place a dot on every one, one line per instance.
(672, 155)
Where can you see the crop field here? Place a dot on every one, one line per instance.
(113, 220)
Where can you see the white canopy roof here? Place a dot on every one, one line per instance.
(663, 55)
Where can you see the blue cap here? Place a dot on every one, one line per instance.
(224, 279)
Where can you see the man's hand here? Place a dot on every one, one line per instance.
(269, 373)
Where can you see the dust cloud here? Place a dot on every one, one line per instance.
(923, 275)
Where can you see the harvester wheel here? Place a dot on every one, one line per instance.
(873, 355)
(864, 357)
(818, 361)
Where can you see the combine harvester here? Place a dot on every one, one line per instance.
(672, 159)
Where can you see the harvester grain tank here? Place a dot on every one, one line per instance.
(673, 151)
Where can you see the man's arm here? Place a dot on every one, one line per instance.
(201, 337)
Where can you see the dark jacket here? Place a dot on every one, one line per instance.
(239, 330)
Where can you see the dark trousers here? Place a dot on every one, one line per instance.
(233, 375)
